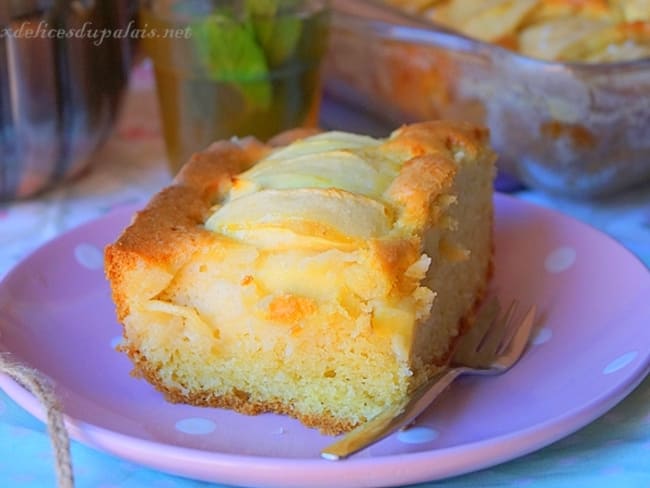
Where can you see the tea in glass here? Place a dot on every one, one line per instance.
(233, 68)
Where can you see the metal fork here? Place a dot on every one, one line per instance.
(492, 346)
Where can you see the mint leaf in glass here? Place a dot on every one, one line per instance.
(279, 37)
(228, 51)
(277, 27)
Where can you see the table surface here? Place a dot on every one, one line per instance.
(612, 451)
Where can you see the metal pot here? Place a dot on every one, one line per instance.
(63, 68)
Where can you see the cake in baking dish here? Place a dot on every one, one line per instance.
(591, 31)
(322, 278)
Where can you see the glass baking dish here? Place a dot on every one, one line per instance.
(575, 129)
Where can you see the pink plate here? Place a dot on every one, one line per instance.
(591, 349)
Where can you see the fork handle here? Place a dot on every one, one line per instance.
(393, 418)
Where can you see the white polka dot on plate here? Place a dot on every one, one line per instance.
(417, 435)
(560, 259)
(541, 336)
(196, 426)
(620, 362)
(89, 256)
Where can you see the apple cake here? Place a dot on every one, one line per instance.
(320, 275)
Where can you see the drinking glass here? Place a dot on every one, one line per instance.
(227, 68)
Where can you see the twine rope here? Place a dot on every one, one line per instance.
(41, 388)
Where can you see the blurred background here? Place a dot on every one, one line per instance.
(564, 86)
(59, 93)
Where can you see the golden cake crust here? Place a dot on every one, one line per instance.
(170, 230)
(170, 227)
